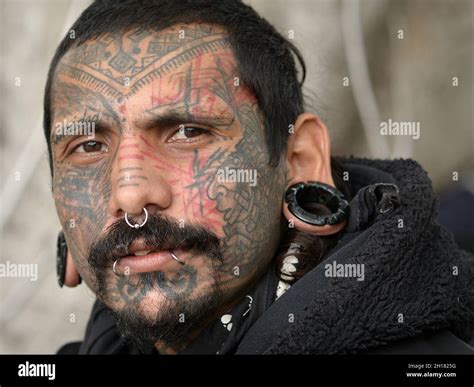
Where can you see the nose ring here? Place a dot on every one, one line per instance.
(137, 225)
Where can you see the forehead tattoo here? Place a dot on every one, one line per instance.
(119, 65)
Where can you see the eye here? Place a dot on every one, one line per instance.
(91, 147)
(185, 133)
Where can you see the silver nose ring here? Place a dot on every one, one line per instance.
(137, 225)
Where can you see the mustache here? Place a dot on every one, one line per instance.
(160, 232)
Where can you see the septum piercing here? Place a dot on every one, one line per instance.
(137, 225)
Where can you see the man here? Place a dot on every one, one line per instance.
(205, 210)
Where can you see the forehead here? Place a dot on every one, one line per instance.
(187, 67)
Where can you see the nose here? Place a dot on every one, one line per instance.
(136, 182)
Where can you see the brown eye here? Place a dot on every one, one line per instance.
(187, 132)
(91, 146)
(192, 132)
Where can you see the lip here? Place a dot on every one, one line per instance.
(153, 261)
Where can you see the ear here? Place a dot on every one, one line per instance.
(309, 159)
(72, 277)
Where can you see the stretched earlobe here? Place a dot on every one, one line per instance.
(65, 268)
(72, 277)
(315, 208)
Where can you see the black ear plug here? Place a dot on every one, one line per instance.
(61, 256)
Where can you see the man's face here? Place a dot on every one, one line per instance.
(174, 130)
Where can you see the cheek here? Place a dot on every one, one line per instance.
(251, 218)
(81, 197)
(192, 194)
(251, 209)
(202, 209)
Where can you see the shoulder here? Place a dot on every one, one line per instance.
(70, 348)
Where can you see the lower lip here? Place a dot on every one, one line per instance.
(144, 263)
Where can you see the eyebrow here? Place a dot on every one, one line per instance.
(176, 118)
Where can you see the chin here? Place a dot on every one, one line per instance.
(151, 306)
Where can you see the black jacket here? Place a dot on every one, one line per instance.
(416, 297)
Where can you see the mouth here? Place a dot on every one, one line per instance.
(140, 258)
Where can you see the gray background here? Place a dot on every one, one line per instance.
(404, 79)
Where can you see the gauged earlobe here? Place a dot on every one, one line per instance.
(72, 277)
(66, 271)
(61, 257)
(302, 198)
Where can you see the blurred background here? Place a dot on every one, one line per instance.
(367, 61)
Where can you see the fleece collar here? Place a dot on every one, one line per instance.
(415, 278)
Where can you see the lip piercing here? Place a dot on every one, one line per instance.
(114, 269)
(137, 225)
(173, 255)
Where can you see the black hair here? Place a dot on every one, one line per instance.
(265, 59)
